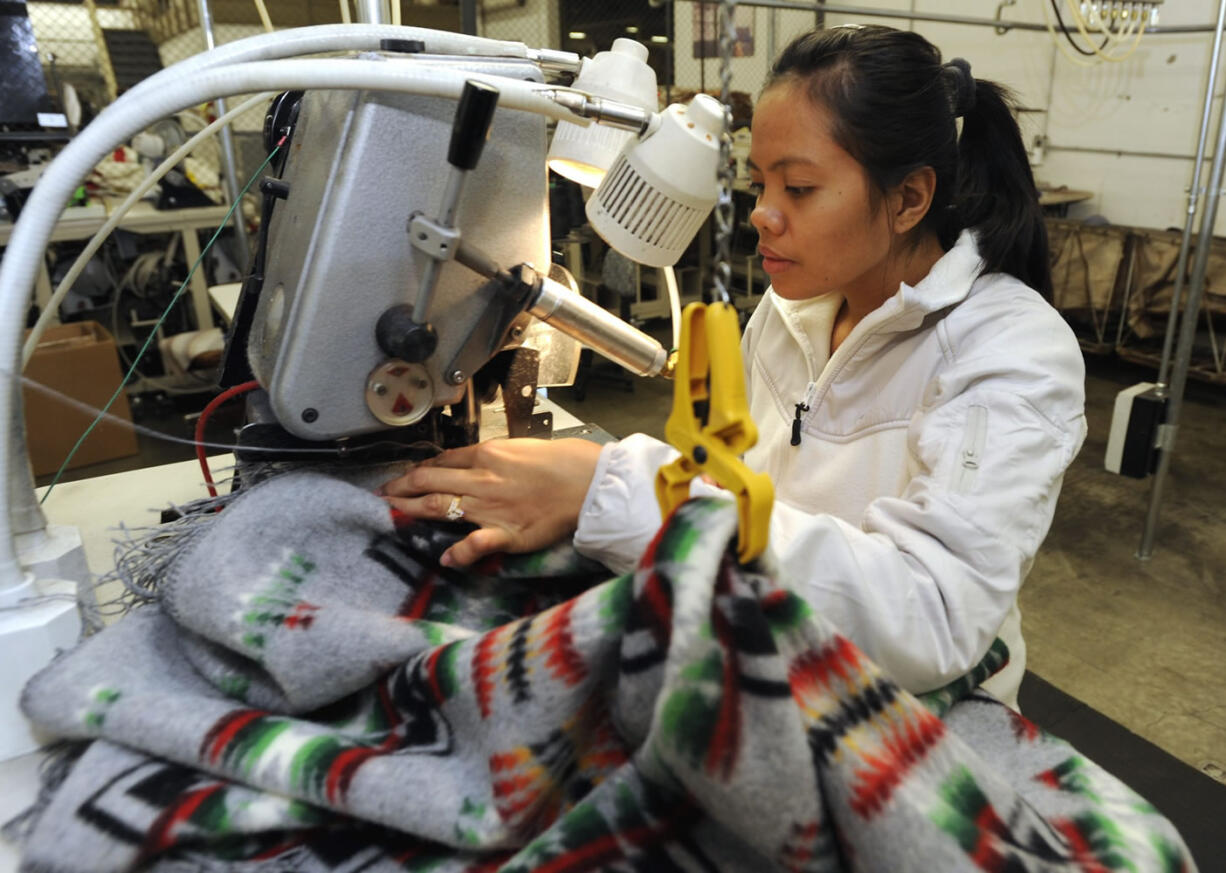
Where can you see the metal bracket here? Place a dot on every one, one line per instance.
(436, 240)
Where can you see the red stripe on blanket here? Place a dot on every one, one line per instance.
(391, 713)
(399, 519)
(270, 853)
(483, 670)
(564, 661)
(224, 730)
(810, 673)
(510, 784)
(660, 609)
(1082, 851)
(340, 772)
(1049, 778)
(904, 747)
(160, 835)
(1023, 728)
(726, 737)
(432, 672)
(595, 853)
(986, 856)
(420, 600)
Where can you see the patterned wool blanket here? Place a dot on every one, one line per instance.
(313, 693)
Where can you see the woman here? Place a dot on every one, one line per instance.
(917, 398)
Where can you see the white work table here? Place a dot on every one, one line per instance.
(97, 507)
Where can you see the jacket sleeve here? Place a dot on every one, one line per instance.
(620, 514)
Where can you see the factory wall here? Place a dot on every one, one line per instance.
(1124, 131)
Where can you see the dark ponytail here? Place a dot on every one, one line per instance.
(894, 106)
(996, 192)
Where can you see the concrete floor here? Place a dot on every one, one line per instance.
(1143, 642)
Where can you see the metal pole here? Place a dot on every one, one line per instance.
(867, 12)
(373, 11)
(227, 153)
(468, 17)
(1187, 336)
(1168, 343)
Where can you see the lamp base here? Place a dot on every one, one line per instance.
(30, 636)
(57, 552)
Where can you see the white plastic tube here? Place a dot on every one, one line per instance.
(328, 38)
(140, 107)
(78, 266)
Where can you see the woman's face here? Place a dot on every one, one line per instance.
(818, 230)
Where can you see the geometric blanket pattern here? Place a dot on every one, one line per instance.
(313, 692)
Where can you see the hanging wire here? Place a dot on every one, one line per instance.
(723, 205)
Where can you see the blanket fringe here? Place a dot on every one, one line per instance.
(53, 770)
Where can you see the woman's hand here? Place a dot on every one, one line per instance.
(524, 493)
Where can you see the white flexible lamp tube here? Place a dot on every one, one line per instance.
(140, 107)
(329, 38)
(78, 266)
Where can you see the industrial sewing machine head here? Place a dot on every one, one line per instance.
(403, 277)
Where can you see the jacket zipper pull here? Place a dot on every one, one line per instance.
(801, 408)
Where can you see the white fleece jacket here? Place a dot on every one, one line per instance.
(929, 464)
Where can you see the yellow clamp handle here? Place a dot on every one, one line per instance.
(712, 437)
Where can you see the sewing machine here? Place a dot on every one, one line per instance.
(403, 254)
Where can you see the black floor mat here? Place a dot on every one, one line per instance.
(1194, 802)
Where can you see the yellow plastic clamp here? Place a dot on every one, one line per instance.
(710, 424)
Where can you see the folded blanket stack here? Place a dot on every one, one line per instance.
(312, 692)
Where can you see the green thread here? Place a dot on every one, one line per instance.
(156, 327)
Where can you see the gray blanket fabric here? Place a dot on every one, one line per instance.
(312, 692)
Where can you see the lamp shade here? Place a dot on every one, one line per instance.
(584, 154)
(660, 189)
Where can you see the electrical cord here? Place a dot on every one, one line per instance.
(203, 420)
(1116, 39)
(1055, 6)
(173, 300)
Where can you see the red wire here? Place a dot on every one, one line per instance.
(203, 420)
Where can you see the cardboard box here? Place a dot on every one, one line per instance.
(79, 360)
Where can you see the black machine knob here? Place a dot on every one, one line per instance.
(472, 124)
(401, 337)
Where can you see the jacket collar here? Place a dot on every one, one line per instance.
(947, 283)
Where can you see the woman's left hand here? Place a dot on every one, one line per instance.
(524, 493)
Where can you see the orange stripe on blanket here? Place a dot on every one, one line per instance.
(904, 748)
